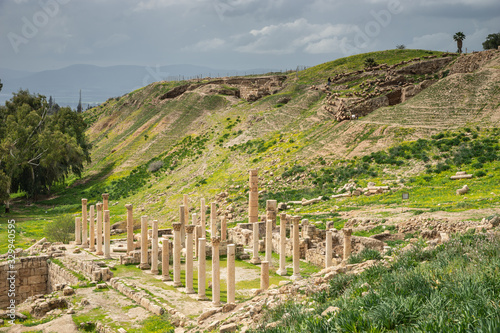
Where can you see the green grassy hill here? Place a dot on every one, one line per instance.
(149, 150)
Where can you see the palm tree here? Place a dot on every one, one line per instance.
(459, 37)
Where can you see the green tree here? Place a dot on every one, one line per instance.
(459, 37)
(38, 149)
(492, 41)
(79, 108)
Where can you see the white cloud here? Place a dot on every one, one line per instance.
(207, 45)
(438, 41)
(299, 35)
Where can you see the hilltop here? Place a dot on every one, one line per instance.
(201, 136)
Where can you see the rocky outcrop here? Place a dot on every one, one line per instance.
(247, 88)
(397, 85)
(468, 63)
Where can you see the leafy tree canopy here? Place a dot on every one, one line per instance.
(38, 149)
(492, 41)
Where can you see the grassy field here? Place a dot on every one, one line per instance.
(451, 288)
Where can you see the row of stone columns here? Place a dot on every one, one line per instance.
(215, 241)
(82, 232)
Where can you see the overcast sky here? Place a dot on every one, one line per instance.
(230, 34)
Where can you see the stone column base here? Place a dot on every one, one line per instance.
(166, 278)
(296, 277)
(255, 261)
(177, 284)
(99, 253)
(144, 266)
(155, 272)
(281, 272)
(202, 298)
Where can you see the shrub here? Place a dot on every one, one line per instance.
(479, 173)
(62, 229)
(155, 166)
(370, 62)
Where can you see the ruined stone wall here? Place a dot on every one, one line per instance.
(425, 67)
(59, 275)
(29, 275)
(89, 269)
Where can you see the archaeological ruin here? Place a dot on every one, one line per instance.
(93, 255)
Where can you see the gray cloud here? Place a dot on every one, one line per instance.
(48, 34)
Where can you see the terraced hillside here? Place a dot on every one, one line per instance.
(201, 137)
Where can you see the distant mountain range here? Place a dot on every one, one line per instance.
(100, 83)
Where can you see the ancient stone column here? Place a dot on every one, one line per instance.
(186, 218)
(144, 243)
(231, 281)
(195, 234)
(223, 228)
(154, 248)
(213, 219)
(282, 270)
(85, 232)
(105, 199)
(347, 242)
(107, 235)
(264, 275)
(269, 241)
(78, 231)
(271, 209)
(92, 229)
(201, 270)
(328, 249)
(255, 259)
(296, 248)
(203, 218)
(177, 252)
(215, 271)
(165, 258)
(130, 228)
(253, 197)
(189, 259)
(99, 229)
(182, 220)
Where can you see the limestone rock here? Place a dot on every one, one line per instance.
(68, 291)
(463, 190)
(228, 307)
(282, 206)
(207, 314)
(228, 328)
(213, 325)
(329, 310)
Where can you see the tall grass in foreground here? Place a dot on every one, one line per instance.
(454, 287)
